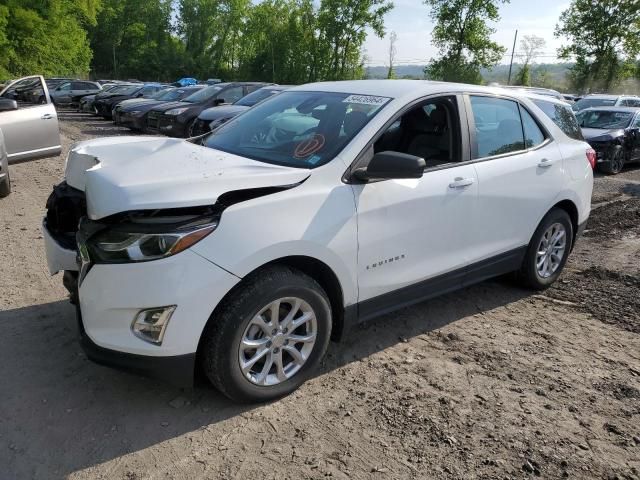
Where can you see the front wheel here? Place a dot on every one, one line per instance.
(615, 163)
(268, 337)
(548, 250)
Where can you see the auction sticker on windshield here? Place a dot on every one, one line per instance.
(366, 100)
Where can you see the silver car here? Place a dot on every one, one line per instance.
(71, 92)
(28, 130)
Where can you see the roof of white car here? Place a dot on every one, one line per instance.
(410, 88)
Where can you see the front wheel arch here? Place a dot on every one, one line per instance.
(312, 267)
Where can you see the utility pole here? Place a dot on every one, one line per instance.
(515, 38)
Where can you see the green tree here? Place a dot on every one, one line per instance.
(133, 39)
(392, 54)
(604, 39)
(45, 37)
(523, 77)
(462, 37)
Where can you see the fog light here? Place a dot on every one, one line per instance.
(150, 324)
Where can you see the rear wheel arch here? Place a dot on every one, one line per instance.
(571, 208)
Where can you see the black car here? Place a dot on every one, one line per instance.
(175, 119)
(614, 133)
(103, 104)
(214, 117)
(133, 113)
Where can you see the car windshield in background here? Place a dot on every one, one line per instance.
(562, 116)
(605, 120)
(128, 90)
(257, 96)
(297, 129)
(160, 94)
(172, 94)
(203, 95)
(593, 102)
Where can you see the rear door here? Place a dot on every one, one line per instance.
(31, 130)
(520, 173)
(63, 92)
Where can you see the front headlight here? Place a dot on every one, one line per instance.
(120, 246)
(176, 111)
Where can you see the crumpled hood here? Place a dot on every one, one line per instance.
(224, 111)
(120, 174)
(601, 135)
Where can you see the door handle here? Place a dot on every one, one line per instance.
(460, 182)
(545, 163)
(46, 116)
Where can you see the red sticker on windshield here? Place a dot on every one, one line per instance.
(309, 146)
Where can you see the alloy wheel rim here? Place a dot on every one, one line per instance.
(278, 341)
(618, 162)
(551, 250)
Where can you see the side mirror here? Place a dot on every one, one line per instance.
(218, 101)
(391, 165)
(140, 95)
(7, 104)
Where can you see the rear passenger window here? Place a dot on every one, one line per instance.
(533, 136)
(563, 117)
(498, 126)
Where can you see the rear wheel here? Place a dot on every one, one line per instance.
(548, 250)
(615, 163)
(268, 337)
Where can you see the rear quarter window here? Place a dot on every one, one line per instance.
(563, 117)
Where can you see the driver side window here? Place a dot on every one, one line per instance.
(430, 130)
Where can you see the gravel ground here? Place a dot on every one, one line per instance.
(489, 382)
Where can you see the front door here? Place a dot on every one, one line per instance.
(413, 235)
(31, 130)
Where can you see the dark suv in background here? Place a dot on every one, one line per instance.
(133, 113)
(214, 117)
(104, 104)
(176, 119)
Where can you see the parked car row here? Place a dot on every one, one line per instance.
(177, 111)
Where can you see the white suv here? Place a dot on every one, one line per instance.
(243, 252)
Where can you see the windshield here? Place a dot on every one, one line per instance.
(604, 119)
(126, 90)
(203, 95)
(297, 129)
(257, 96)
(593, 102)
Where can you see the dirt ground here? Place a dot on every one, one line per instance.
(489, 382)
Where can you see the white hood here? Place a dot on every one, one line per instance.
(119, 174)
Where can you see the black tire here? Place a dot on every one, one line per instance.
(528, 274)
(189, 128)
(615, 163)
(219, 347)
(5, 186)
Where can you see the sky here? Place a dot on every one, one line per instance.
(410, 20)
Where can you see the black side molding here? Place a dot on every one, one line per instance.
(448, 282)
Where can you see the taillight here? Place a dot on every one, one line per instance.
(591, 157)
